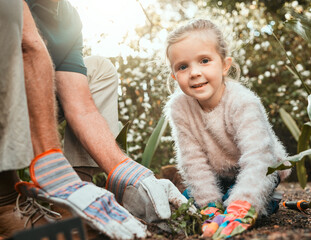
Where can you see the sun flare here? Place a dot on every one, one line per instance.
(105, 23)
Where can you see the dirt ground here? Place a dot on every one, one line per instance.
(286, 224)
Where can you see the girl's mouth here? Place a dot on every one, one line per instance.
(199, 85)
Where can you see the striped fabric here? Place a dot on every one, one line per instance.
(126, 173)
(55, 180)
(52, 172)
(103, 209)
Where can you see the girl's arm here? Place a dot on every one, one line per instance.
(191, 160)
(258, 145)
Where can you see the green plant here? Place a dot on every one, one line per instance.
(303, 139)
(122, 137)
(24, 174)
(301, 26)
(187, 221)
(153, 142)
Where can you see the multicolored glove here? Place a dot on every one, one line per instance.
(238, 217)
(213, 209)
(54, 180)
(146, 197)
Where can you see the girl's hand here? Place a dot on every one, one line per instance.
(214, 211)
(238, 217)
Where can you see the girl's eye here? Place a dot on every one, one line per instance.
(205, 60)
(182, 67)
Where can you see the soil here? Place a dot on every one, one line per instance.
(286, 224)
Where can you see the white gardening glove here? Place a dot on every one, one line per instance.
(54, 180)
(141, 193)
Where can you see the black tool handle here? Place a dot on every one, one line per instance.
(297, 205)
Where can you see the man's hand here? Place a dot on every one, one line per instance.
(141, 193)
(54, 180)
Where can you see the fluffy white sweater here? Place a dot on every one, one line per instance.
(234, 140)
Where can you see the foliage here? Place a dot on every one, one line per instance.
(122, 137)
(100, 179)
(24, 174)
(151, 145)
(264, 68)
(292, 159)
(141, 103)
(302, 27)
(303, 139)
(153, 142)
(186, 221)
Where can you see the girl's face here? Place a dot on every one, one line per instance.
(198, 68)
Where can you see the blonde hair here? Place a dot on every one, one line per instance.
(202, 25)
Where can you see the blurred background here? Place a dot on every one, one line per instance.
(132, 33)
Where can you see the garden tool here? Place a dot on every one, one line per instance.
(301, 205)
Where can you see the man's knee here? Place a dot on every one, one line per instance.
(100, 69)
(103, 84)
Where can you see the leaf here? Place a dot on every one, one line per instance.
(309, 106)
(24, 174)
(183, 220)
(299, 156)
(292, 159)
(303, 144)
(279, 167)
(291, 71)
(183, 224)
(183, 207)
(290, 123)
(300, 27)
(153, 142)
(122, 137)
(99, 179)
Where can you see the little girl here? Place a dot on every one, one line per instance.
(222, 136)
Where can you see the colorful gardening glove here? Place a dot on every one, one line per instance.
(146, 197)
(213, 209)
(54, 180)
(238, 217)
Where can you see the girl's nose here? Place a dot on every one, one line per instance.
(195, 72)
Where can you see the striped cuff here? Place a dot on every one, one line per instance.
(99, 203)
(52, 172)
(126, 173)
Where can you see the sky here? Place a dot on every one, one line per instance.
(114, 19)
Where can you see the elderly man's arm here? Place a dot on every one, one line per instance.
(134, 185)
(39, 84)
(86, 122)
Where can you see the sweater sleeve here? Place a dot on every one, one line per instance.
(255, 139)
(192, 162)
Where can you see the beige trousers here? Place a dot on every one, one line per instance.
(103, 84)
(15, 141)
